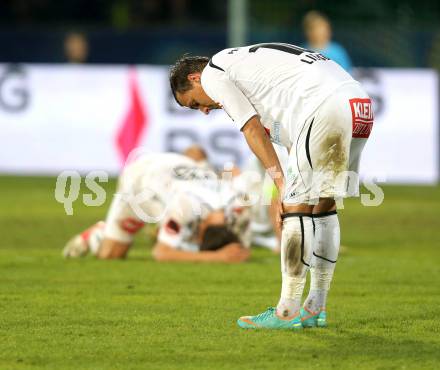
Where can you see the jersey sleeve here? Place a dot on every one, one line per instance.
(175, 230)
(171, 233)
(223, 91)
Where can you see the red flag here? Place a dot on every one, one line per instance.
(134, 122)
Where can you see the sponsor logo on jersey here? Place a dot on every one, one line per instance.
(362, 115)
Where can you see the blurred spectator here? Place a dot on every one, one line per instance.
(76, 48)
(318, 33)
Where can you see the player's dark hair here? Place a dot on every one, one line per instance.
(216, 237)
(179, 72)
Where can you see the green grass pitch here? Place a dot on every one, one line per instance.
(384, 306)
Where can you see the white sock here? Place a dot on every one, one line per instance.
(291, 294)
(325, 255)
(296, 251)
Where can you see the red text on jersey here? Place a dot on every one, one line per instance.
(362, 115)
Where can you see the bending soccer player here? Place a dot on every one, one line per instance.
(199, 221)
(304, 101)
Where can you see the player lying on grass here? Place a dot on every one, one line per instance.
(306, 102)
(198, 221)
(264, 229)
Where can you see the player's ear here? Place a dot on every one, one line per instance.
(194, 77)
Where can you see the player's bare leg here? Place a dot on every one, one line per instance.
(112, 249)
(325, 254)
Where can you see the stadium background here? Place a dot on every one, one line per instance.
(57, 115)
(376, 33)
(112, 95)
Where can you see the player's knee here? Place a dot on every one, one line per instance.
(111, 249)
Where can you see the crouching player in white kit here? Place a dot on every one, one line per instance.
(309, 104)
(198, 221)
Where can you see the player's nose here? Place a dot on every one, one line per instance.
(205, 110)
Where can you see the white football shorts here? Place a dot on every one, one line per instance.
(324, 158)
(135, 203)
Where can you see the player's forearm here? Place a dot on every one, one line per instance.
(206, 256)
(165, 253)
(262, 147)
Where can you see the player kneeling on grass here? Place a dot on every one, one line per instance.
(197, 222)
(307, 103)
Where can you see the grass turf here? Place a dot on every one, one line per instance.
(138, 314)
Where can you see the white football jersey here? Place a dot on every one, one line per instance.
(159, 171)
(187, 206)
(191, 203)
(283, 84)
